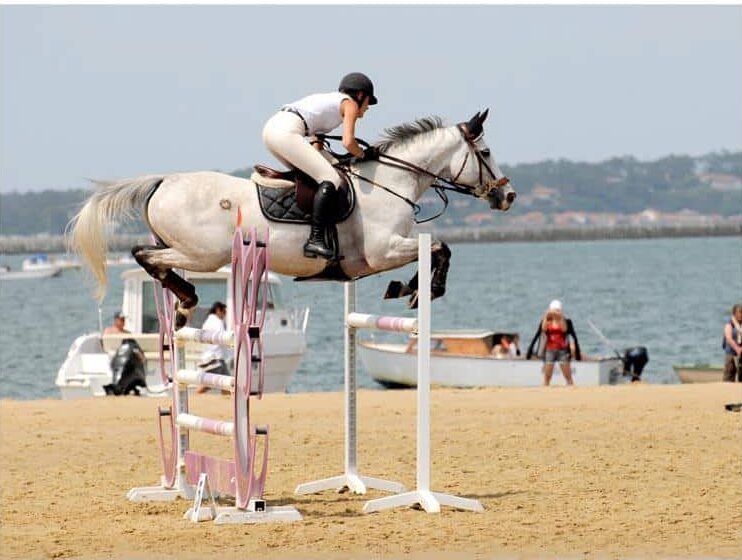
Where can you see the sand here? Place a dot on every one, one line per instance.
(604, 472)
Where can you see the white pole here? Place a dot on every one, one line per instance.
(423, 364)
(351, 423)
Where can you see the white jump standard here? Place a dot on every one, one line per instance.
(430, 501)
(350, 479)
(189, 474)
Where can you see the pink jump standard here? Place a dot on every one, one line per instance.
(189, 474)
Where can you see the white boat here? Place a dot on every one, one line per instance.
(43, 262)
(7, 274)
(464, 359)
(86, 370)
(699, 373)
(121, 260)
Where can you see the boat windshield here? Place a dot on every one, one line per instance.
(209, 290)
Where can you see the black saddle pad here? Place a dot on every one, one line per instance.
(279, 205)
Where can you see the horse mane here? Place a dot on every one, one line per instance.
(408, 131)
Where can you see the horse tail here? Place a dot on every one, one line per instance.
(114, 202)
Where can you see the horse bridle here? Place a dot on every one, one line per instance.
(471, 140)
(440, 183)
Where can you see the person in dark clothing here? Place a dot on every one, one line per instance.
(551, 342)
(732, 345)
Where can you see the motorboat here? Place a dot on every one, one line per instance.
(49, 272)
(470, 358)
(121, 260)
(699, 373)
(44, 262)
(87, 370)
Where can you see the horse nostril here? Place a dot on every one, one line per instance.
(511, 196)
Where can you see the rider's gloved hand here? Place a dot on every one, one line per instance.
(370, 153)
(346, 159)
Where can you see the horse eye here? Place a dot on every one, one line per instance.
(485, 152)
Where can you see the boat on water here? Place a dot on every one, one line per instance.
(464, 358)
(699, 373)
(121, 260)
(42, 261)
(87, 369)
(49, 272)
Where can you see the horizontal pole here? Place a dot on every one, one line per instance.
(199, 424)
(189, 334)
(213, 380)
(381, 322)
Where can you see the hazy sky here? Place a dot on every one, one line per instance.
(120, 91)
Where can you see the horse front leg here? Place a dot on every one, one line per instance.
(440, 261)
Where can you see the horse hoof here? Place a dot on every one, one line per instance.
(437, 291)
(393, 290)
(397, 289)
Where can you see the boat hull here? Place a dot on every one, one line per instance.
(391, 366)
(30, 274)
(699, 374)
(86, 369)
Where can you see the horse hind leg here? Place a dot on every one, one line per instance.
(157, 262)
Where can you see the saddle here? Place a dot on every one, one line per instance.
(288, 196)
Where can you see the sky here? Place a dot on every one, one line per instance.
(110, 92)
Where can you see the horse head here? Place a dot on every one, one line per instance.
(473, 166)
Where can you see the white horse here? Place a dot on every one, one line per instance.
(194, 215)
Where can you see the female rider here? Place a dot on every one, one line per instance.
(285, 132)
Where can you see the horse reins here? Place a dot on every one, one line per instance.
(440, 184)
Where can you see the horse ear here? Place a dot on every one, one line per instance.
(474, 126)
(483, 117)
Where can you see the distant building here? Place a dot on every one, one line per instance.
(722, 182)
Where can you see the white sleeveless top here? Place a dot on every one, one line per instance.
(321, 111)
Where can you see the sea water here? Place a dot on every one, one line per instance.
(671, 295)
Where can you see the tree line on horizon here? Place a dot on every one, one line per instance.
(622, 185)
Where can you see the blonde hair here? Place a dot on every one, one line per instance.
(549, 318)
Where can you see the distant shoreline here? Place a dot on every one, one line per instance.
(44, 243)
(590, 233)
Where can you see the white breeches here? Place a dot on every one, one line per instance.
(283, 135)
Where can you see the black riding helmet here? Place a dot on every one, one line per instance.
(355, 81)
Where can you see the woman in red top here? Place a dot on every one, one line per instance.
(556, 329)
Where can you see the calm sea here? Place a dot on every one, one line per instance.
(671, 295)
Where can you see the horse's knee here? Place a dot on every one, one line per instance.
(442, 249)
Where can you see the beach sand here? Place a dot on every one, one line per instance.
(628, 471)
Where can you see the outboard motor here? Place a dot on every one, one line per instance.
(128, 368)
(634, 359)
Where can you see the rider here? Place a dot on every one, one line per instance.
(320, 113)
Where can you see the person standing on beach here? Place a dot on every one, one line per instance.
(552, 337)
(732, 345)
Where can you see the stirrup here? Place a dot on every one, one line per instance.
(313, 250)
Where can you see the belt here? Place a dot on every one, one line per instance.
(298, 114)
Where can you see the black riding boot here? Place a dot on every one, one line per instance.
(321, 208)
